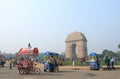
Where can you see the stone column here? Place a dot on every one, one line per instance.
(68, 51)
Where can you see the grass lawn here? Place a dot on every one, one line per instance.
(77, 63)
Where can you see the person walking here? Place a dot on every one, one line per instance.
(10, 63)
(98, 62)
(14, 62)
(52, 64)
(107, 62)
(112, 62)
(2, 61)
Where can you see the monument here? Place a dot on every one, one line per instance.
(76, 45)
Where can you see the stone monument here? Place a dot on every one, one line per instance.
(76, 45)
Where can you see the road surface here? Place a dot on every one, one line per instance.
(6, 73)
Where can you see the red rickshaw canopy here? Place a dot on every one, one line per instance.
(27, 51)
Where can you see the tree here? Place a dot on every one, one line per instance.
(119, 46)
(105, 52)
(118, 52)
(109, 53)
(62, 55)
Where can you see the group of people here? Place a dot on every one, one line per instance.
(109, 61)
(52, 61)
(14, 62)
(29, 61)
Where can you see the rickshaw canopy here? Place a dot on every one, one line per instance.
(50, 53)
(93, 54)
(27, 51)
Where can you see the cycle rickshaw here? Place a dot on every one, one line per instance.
(26, 63)
(94, 61)
(51, 56)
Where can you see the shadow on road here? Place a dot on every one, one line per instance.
(60, 73)
(90, 74)
(65, 71)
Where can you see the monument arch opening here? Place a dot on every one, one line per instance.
(74, 50)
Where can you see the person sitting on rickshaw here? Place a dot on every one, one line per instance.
(20, 62)
(26, 61)
(52, 64)
(31, 62)
(49, 61)
(93, 59)
(56, 61)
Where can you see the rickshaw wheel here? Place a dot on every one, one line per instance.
(45, 70)
(21, 71)
(51, 70)
(37, 71)
(56, 69)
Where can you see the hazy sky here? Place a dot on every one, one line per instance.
(46, 23)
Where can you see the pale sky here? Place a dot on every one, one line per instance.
(46, 23)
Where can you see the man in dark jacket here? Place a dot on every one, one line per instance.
(107, 62)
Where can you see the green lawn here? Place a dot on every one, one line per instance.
(77, 63)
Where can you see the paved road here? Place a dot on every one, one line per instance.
(6, 73)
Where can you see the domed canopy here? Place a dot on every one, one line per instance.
(48, 53)
(26, 51)
(75, 36)
(93, 54)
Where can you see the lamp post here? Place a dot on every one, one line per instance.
(73, 60)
